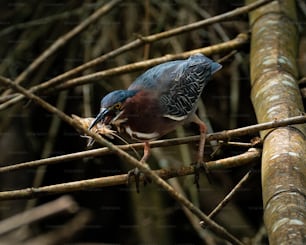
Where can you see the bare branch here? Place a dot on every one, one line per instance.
(63, 204)
(64, 232)
(61, 41)
(125, 156)
(141, 41)
(251, 156)
(228, 197)
(224, 135)
(218, 48)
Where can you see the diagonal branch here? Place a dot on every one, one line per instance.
(61, 205)
(213, 49)
(250, 157)
(218, 48)
(221, 231)
(141, 41)
(228, 197)
(61, 41)
(224, 135)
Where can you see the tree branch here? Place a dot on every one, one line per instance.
(63, 204)
(213, 49)
(221, 231)
(137, 43)
(61, 41)
(275, 94)
(228, 197)
(251, 156)
(224, 135)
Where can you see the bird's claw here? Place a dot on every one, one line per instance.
(137, 174)
(198, 167)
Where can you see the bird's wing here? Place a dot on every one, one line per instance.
(178, 84)
(157, 78)
(186, 85)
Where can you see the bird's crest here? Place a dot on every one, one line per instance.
(116, 96)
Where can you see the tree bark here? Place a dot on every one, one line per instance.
(275, 95)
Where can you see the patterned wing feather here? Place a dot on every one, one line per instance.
(178, 84)
(189, 80)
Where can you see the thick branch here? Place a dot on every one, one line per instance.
(218, 48)
(275, 94)
(63, 204)
(224, 135)
(125, 156)
(61, 41)
(251, 156)
(137, 43)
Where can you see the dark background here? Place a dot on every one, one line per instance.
(28, 132)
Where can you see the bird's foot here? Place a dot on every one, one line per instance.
(198, 167)
(137, 175)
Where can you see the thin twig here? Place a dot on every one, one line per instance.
(48, 145)
(227, 198)
(249, 130)
(218, 48)
(46, 20)
(246, 158)
(215, 19)
(63, 204)
(222, 47)
(140, 41)
(64, 232)
(221, 231)
(260, 236)
(204, 235)
(224, 135)
(105, 151)
(61, 41)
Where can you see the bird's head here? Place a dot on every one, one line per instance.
(111, 106)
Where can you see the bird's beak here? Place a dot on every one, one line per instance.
(99, 117)
(215, 67)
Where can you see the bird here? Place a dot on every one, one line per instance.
(157, 102)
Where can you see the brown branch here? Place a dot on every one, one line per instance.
(227, 198)
(248, 130)
(302, 81)
(251, 156)
(46, 20)
(63, 204)
(275, 93)
(200, 24)
(222, 47)
(137, 43)
(218, 48)
(224, 135)
(221, 231)
(61, 41)
(64, 232)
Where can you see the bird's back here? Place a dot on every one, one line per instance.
(154, 78)
(178, 84)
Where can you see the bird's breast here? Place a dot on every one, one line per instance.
(142, 118)
(141, 135)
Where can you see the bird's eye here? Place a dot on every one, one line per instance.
(117, 106)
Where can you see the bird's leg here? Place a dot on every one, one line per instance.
(200, 162)
(146, 152)
(136, 172)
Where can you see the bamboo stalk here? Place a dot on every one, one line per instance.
(275, 95)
